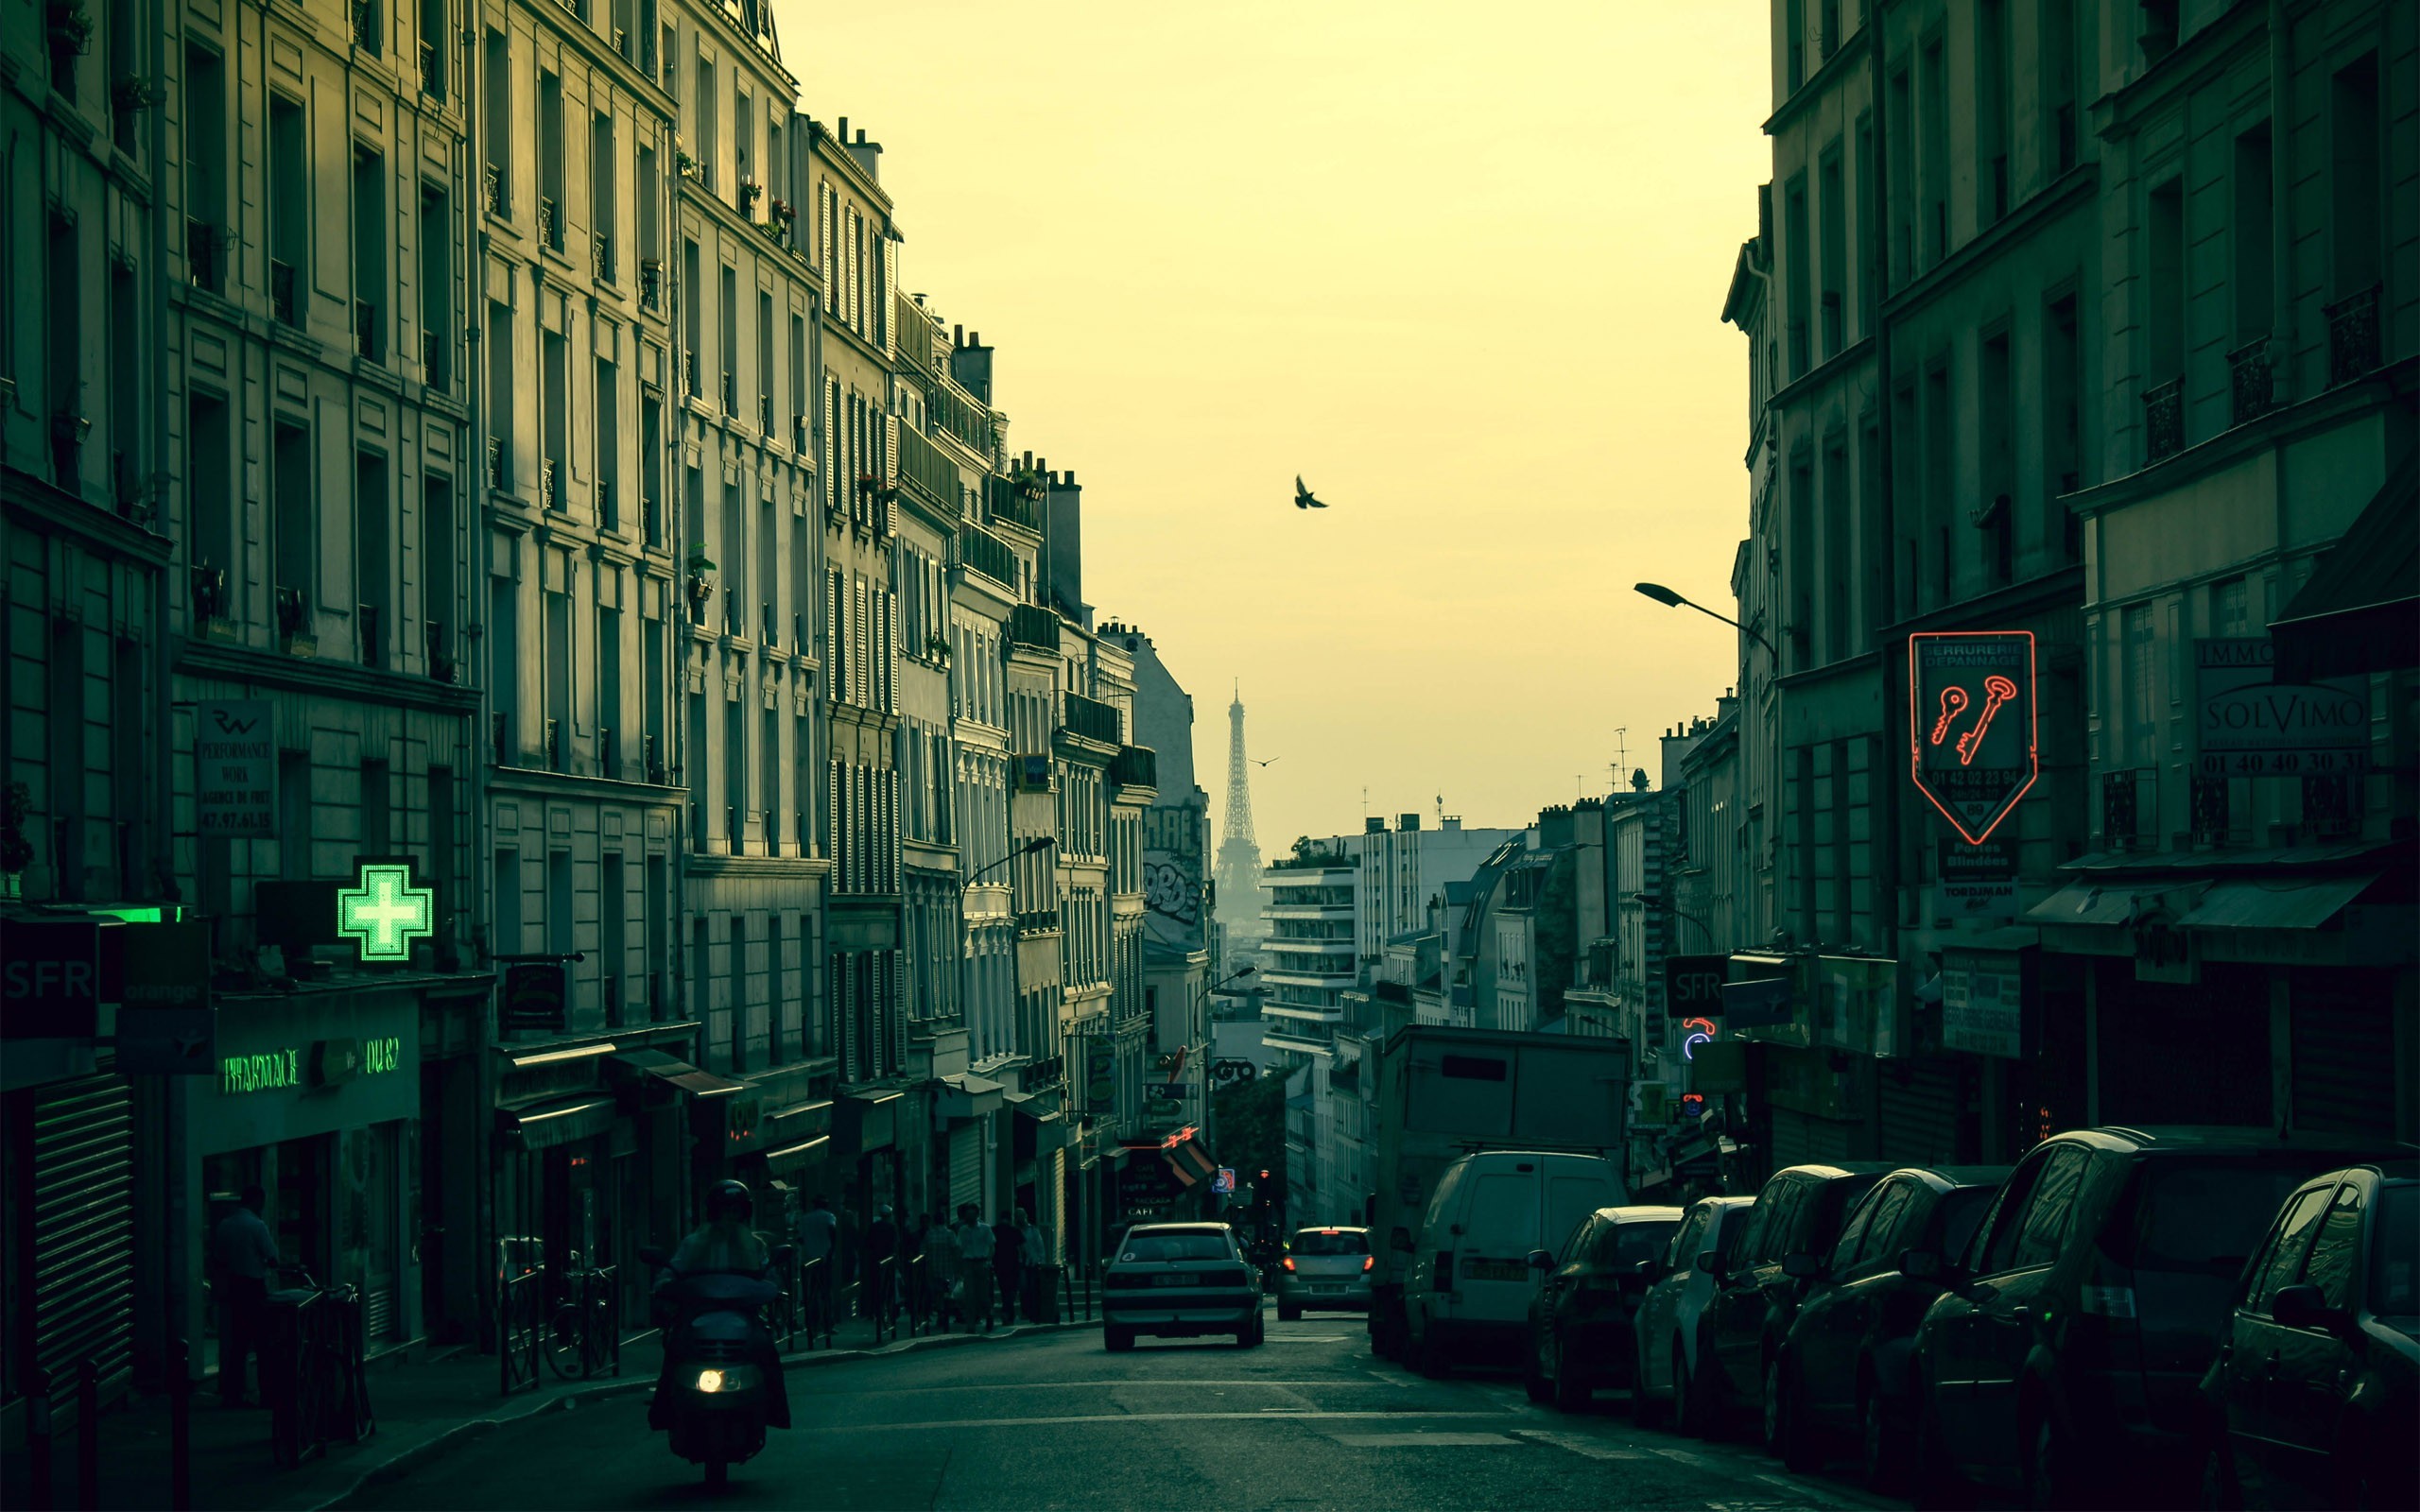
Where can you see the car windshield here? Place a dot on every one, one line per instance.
(2395, 1271)
(1174, 1246)
(2209, 1218)
(1331, 1242)
(1958, 1214)
(1634, 1241)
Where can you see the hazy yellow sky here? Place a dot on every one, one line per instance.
(1459, 265)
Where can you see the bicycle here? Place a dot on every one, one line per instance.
(319, 1392)
(579, 1340)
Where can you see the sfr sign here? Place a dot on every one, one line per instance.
(50, 980)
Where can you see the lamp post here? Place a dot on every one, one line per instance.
(1209, 1051)
(1647, 900)
(1671, 600)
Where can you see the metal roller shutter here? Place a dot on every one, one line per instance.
(83, 1227)
(966, 1165)
(1919, 1114)
(1799, 1138)
(2343, 1060)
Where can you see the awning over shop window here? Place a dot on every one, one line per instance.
(2359, 612)
(869, 1120)
(677, 1073)
(2279, 903)
(2116, 905)
(967, 1096)
(544, 1125)
(792, 1158)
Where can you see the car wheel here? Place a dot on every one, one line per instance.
(1785, 1436)
(1116, 1340)
(1644, 1407)
(1572, 1392)
(1885, 1458)
(2046, 1465)
(1286, 1313)
(2219, 1492)
(1692, 1415)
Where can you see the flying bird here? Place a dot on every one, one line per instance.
(1303, 499)
(1257, 762)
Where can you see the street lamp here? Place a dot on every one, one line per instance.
(1647, 900)
(1039, 842)
(1671, 600)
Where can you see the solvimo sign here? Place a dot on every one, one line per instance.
(1970, 724)
(2244, 725)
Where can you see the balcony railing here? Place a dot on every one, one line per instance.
(441, 657)
(1091, 719)
(365, 330)
(601, 252)
(2129, 806)
(2352, 336)
(772, 624)
(281, 292)
(2251, 389)
(432, 83)
(491, 186)
(432, 358)
(651, 284)
(365, 25)
(550, 223)
(609, 755)
(500, 737)
(1033, 625)
(652, 751)
(293, 614)
(555, 745)
(1134, 765)
(210, 600)
(652, 520)
(691, 377)
(730, 392)
(608, 513)
(765, 414)
(367, 619)
(2164, 421)
(1003, 501)
(495, 462)
(981, 551)
(731, 624)
(1036, 921)
(550, 491)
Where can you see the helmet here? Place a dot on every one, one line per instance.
(729, 1197)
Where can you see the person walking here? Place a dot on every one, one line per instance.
(940, 1273)
(976, 1243)
(819, 1242)
(243, 1256)
(882, 1262)
(1008, 1265)
(1034, 1249)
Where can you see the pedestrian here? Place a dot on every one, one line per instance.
(1033, 1248)
(818, 1239)
(882, 1262)
(1008, 1265)
(243, 1256)
(940, 1271)
(976, 1243)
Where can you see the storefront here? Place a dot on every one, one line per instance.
(316, 1100)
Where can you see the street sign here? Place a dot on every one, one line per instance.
(2246, 725)
(50, 979)
(235, 752)
(1225, 1182)
(1693, 985)
(536, 996)
(1232, 1072)
(1971, 724)
(1169, 1091)
(386, 912)
(166, 1026)
(1975, 880)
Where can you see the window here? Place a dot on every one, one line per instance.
(1999, 492)
(2059, 71)
(374, 558)
(206, 252)
(2354, 185)
(2164, 289)
(2283, 1254)
(1793, 46)
(436, 289)
(1798, 252)
(2062, 419)
(1845, 1252)
(1933, 125)
(550, 159)
(608, 445)
(1832, 210)
(2252, 226)
(503, 413)
(2335, 1246)
(497, 129)
(1688, 1238)
(2049, 1213)
(1991, 110)
(604, 253)
(1899, 144)
(2141, 666)
(296, 543)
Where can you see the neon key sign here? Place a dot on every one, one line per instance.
(1971, 725)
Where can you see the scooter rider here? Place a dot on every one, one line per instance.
(723, 1245)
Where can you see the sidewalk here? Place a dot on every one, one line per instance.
(424, 1407)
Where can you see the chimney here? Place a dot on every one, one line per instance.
(844, 135)
(1451, 823)
(869, 154)
(1408, 821)
(1373, 824)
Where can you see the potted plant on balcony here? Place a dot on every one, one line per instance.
(937, 646)
(70, 27)
(784, 212)
(130, 95)
(701, 578)
(294, 623)
(685, 165)
(16, 851)
(750, 192)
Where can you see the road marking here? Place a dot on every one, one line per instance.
(1074, 1385)
(1421, 1440)
(1580, 1444)
(964, 1424)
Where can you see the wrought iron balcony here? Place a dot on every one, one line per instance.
(608, 513)
(651, 284)
(549, 493)
(281, 292)
(365, 330)
(1134, 765)
(1033, 625)
(765, 414)
(730, 392)
(609, 756)
(602, 255)
(652, 751)
(2162, 421)
(2253, 389)
(978, 550)
(440, 658)
(1003, 501)
(772, 625)
(209, 594)
(491, 185)
(734, 829)
(293, 614)
(432, 83)
(500, 737)
(555, 745)
(367, 621)
(550, 223)
(2129, 806)
(365, 25)
(652, 520)
(432, 358)
(495, 462)
(689, 371)
(1091, 719)
(204, 265)
(797, 433)
(2352, 336)
(731, 621)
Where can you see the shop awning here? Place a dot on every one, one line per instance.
(867, 1120)
(791, 1158)
(967, 1096)
(2276, 903)
(544, 1125)
(2116, 905)
(677, 1073)
(2359, 610)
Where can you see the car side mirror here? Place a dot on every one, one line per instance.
(1541, 1260)
(1921, 1265)
(1710, 1263)
(2303, 1307)
(1801, 1267)
(650, 1254)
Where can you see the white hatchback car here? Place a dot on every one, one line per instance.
(1666, 1323)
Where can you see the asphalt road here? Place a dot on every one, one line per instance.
(1308, 1419)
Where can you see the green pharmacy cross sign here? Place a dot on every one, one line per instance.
(386, 912)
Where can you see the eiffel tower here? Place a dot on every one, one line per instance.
(1238, 874)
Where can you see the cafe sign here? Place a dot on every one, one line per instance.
(1971, 742)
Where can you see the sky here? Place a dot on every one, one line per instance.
(1459, 265)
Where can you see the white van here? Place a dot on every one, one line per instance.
(1469, 1284)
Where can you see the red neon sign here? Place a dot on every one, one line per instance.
(1972, 725)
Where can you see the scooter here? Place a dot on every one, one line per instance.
(715, 1340)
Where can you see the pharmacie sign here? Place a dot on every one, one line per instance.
(2248, 725)
(1971, 742)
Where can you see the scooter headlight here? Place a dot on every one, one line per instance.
(716, 1379)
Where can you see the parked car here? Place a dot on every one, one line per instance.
(1469, 1282)
(1580, 1322)
(1844, 1363)
(2062, 1357)
(1796, 1220)
(1178, 1280)
(2310, 1402)
(1667, 1330)
(1326, 1268)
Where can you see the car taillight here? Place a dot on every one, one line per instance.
(1368, 1261)
(1288, 1262)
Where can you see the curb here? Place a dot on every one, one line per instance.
(404, 1461)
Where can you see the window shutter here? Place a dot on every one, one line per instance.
(831, 283)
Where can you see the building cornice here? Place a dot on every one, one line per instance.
(1818, 85)
(2079, 182)
(537, 780)
(708, 864)
(52, 510)
(309, 675)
